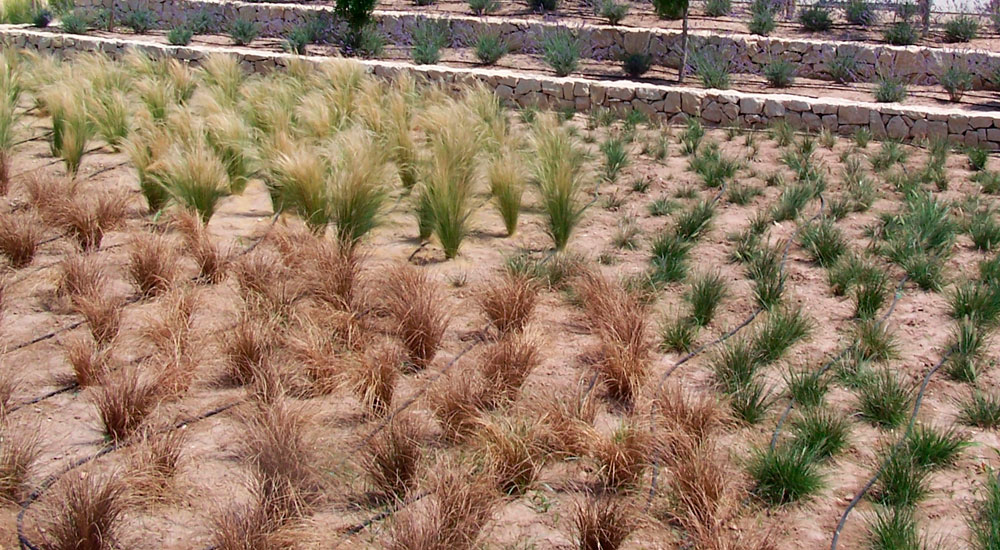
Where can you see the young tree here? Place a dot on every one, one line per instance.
(357, 14)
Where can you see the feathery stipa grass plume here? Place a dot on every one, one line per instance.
(559, 174)
(506, 176)
(193, 177)
(356, 186)
(110, 115)
(10, 130)
(146, 145)
(450, 177)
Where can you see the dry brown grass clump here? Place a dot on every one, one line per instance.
(248, 346)
(9, 384)
(452, 517)
(212, 259)
(20, 235)
(375, 376)
(170, 333)
(623, 455)
(567, 421)
(154, 462)
(603, 522)
(124, 400)
(509, 301)
(86, 514)
(88, 219)
(247, 526)
(415, 306)
(281, 453)
(46, 194)
(512, 452)
(390, 459)
(103, 314)
(152, 264)
(265, 282)
(458, 400)
(506, 364)
(619, 320)
(18, 452)
(89, 360)
(331, 273)
(684, 420)
(81, 275)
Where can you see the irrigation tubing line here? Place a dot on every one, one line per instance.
(23, 541)
(69, 387)
(895, 448)
(829, 364)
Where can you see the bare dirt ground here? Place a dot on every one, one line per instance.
(211, 474)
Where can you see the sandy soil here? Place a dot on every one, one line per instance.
(210, 478)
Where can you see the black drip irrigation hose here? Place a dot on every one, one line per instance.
(829, 364)
(895, 448)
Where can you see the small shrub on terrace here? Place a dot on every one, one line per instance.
(612, 10)
(956, 81)
(890, 89)
(75, 22)
(543, 5)
(670, 9)
(17, 12)
(139, 21)
(712, 68)
(243, 32)
(428, 39)
(561, 50)
(179, 36)
(963, 28)
(358, 15)
(901, 33)
(42, 18)
(843, 68)
(762, 20)
(718, 8)
(297, 40)
(484, 7)
(490, 47)
(861, 12)
(780, 73)
(816, 18)
(636, 64)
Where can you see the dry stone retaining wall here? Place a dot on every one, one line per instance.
(916, 64)
(669, 102)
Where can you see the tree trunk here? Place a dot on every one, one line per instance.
(926, 15)
(684, 47)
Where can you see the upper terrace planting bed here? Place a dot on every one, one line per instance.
(812, 53)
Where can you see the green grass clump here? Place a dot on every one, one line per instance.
(984, 230)
(764, 269)
(782, 329)
(678, 335)
(824, 241)
(662, 207)
(735, 366)
(559, 174)
(616, 157)
(705, 294)
(984, 521)
(967, 343)
(507, 179)
(806, 387)
(741, 194)
(785, 474)
(875, 341)
(883, 400)
(691, 223)
(792, 200)
(669, 259)
(935, 449)
(870, 294)
(750, 403)
(975, 302)
(981, 410)
(892, 528)
(821, 433)
(714, 168)
(903, 482)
